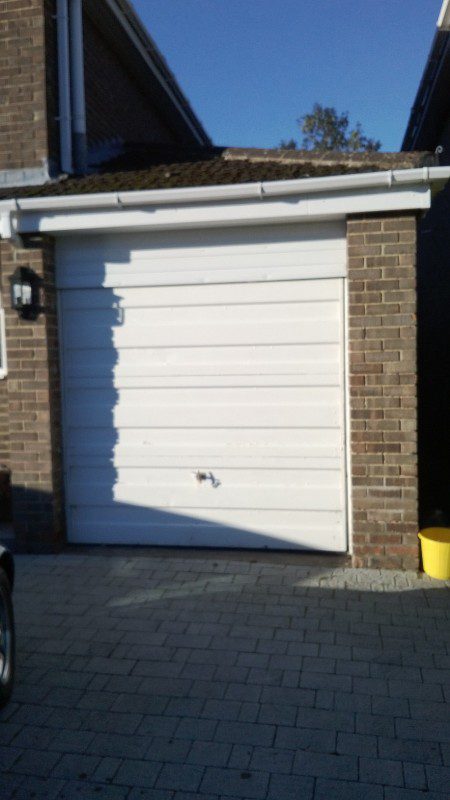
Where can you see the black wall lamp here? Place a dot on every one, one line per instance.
(25, 293)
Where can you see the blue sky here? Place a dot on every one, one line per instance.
(251, 67)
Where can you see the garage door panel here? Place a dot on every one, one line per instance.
(85, 442)
(234, 496)
(228, 477)
(241, 379)
(191, 462)
(171, 250)
(183, 535)
(296, 360)
(314, 530)
(255, 518)
(265, 439)
(322, 378)
(187, 268)
(205, 334)
(175, 315)
(205, 416)
(153, 297)
(254, 396)
(271, 252)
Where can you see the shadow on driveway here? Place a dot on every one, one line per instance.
(168, 677)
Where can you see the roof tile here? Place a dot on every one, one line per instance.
(142, 168)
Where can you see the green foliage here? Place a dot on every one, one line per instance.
(289, 144)
(325, 129)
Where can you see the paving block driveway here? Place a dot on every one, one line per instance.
(152, 676)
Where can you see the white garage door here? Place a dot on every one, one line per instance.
(212, 413)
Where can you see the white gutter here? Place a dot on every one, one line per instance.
(277, 201)
(77, 85)
(65, 111)
(239, 191)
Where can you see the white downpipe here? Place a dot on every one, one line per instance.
(65, 111)
(77, 85)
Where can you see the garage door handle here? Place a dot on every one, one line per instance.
(200, 477)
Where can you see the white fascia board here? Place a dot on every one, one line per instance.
(243, 212)
(443, 22)
(329, 185)
(278, 201)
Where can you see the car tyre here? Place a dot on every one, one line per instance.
(7, 640)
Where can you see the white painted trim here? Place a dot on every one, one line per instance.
(330, 197)
(62, 395)
(443, 22)
(277, 201)
(384, 181)
(13, 179)
(347, 420)
(278, 210)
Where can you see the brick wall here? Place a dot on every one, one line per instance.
(26, 28)
(383, 396)
(116, 106)
(51, 84)
(33, 405)
(383, 390)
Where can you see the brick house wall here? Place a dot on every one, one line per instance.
(116, 106)
(31, 413)
(28, 90)
(383, 389)
(382, 330)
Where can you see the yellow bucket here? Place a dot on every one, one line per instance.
(436, 552)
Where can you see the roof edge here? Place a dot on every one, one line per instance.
(331, 157)
(434, 76)
(135, 28)
(385, 180)
(271, 202)
(443, 22)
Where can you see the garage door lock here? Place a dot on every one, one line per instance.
(201, 477)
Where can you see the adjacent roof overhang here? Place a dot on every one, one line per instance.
(331, 197)
(443, 22)
(148, 64)
(431, 105)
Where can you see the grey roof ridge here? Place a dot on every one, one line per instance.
(328, 157)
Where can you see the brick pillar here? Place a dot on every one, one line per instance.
(383, 390)
(33, 405)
